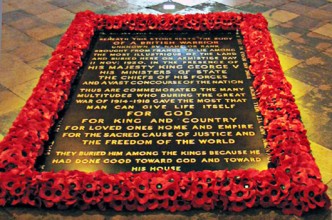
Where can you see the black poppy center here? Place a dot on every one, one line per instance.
(58, 193)
(48, 193)
(311, 194)
(239, 194)
(171, 192)
(274, 192)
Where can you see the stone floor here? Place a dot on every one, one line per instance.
(301, 31)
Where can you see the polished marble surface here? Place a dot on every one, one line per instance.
(301, 32)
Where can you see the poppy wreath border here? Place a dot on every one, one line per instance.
(293, 183)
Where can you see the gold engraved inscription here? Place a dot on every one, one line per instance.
(167, 102)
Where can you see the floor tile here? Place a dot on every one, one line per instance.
(25, 52)
(106, 11)
(8, 102)
(25, 3)
(322, 155)
(325, 30)
(121, 9)
(280, 15)
(297, 8)
(82, 6)
(14, 71)
(235, 10)
(328, 52)
(278, 40)
(274, 3)
(39, 63)
(13, 16)
(44, 31)
(305, 22)
(299, 88)
(288, 31)
(272, 23)
(40, 8)
(308, 113)
(12, 38)
(212, 7)
(52, 41)
(314, 40)
(108, 4)
(298, 51)
(320, 61)
(253, 8)
(63, 3)
(320, 14)
(329, 191)
(24, 90)
(322, 136)
(233, 3)
(6, 7)
(327, 7)
(57, 16)
(311, 75)
(287, 62)
(28, 23)
(113, 6)
(316, 3)
(7, 118)
(290, 26)
(318, 99)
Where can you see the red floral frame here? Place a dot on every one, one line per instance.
(294, 183)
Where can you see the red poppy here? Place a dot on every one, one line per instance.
(47, 194)
(90, 184)
(130, 205)
(185, 186)
(220, 176)
(158, 186)
(294, 185)
(117, 205)
(152, 22)
(221, 202)
(141, 207)
(290, 209)
(172, 191)
(201, 194)
(18, 189)
(31, 198)
(82, 205)
(92, 197)
(237, 206)
(3, 193)
(181, 205)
